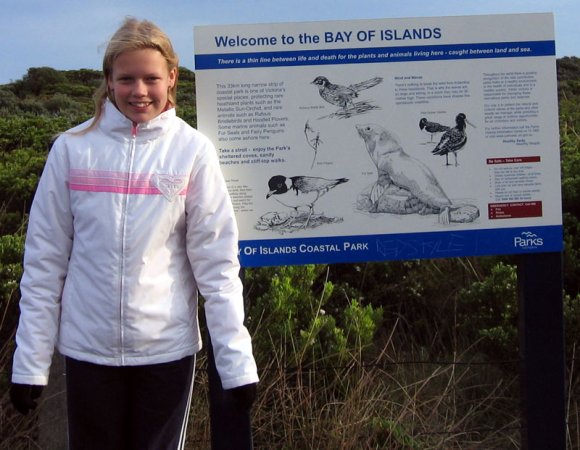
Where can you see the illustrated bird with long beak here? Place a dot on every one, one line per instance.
(342, 96)
(432, 128)
(453, 140)
(300, 191)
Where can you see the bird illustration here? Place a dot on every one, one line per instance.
(300, 191)
(432, 127)
(342, 96)
(401, 176)
(313, 140)
(453, 139)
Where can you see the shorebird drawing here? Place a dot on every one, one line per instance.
(432, 128)
(453, 139)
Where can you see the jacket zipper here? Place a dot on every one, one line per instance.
(132, 146)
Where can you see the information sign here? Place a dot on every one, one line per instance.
(381, 139)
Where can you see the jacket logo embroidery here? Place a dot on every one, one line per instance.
(169, 185)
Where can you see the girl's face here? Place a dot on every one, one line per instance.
(140, 81)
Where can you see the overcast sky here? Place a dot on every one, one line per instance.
(67, 34)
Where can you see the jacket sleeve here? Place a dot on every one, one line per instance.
(46, 253)
(212, 243)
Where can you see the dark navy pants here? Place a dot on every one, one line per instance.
(128, 408)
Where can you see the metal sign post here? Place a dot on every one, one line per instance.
(541, 332)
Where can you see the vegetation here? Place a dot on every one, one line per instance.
(376, 355)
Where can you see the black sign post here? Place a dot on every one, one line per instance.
(542, 355)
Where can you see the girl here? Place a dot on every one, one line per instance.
(130, 219)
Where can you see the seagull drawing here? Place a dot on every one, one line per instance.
(432, 127)
(342, 96)
(453, 140)
(300, 191)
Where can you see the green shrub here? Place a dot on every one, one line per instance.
(489, 312)
(288, 317)
(11, 252)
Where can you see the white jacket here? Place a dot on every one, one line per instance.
(127, 223)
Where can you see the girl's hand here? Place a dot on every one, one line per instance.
(23, 396)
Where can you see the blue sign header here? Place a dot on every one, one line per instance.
(374, 55)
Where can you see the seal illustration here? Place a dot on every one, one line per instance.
(405, 185)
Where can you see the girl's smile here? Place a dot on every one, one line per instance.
(140, 81)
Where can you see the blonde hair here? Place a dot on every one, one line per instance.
(134, 35)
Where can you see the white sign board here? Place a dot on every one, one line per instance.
(370, 140)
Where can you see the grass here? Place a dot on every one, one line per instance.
(377, 405)
(412, 405)
(397, 397)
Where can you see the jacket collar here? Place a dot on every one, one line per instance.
(113, 122)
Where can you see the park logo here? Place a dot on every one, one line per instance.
(528, 240)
